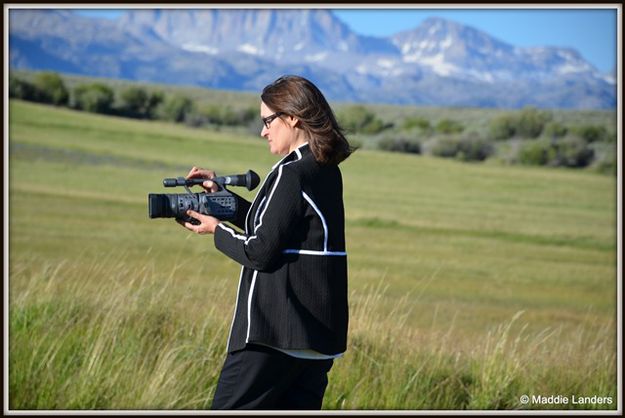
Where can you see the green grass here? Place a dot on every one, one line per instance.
(470, 284)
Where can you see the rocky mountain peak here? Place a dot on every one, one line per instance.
(440, 62)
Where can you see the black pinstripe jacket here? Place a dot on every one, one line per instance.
(293, 284)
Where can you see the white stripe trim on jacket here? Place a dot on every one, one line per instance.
(323, 221)
(312, 252)
(249, 306)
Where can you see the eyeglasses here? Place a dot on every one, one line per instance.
(267, 121)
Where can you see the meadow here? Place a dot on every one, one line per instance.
(470, 284)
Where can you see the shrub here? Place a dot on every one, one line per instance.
(51, 88)
(442, 146)
(175, 108)
(133, 100)
(195, 120)
(353, 118)
(570, 151)
(219, 115)
(375, 126)
(606, 166)
(200, 116)
(591, 133)
(466, 148)
(154, 101)
(416, 122)
(406, 145)
(22, 89)
(503, 127)
(358, 119)
(355, 143)
(555, 130)
(531, 122)
(537, 152)
(528, 123)
(604, 160)
(94, 97)
(236, 117)
(449, 126)
(573, 152)
(474, 148)
(136, 102)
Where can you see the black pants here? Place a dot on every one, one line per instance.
(259, 377)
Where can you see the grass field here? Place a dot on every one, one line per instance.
(470, 284)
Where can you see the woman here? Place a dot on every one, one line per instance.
(290, 320)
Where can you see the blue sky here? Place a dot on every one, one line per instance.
(592, 32)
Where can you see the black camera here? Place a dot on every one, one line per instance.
(221, 204)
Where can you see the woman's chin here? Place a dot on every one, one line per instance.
(275, 151)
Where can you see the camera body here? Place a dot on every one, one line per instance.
(221, 204)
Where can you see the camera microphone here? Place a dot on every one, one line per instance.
(249, 180)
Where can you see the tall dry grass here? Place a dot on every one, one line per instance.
(108, 336)
(111, 334)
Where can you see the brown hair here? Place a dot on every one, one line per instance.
(298, 97)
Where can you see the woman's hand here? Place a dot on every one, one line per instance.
(200, 173)
(207, 223)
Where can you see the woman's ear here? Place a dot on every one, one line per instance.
(293, 121)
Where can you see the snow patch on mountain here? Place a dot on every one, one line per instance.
(439, 65)
(321, 56)
(200, 48)
(250, 49)
(385, 63)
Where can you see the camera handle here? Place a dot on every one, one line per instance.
(184, 182)
(250, 180)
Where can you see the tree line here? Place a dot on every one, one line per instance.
(527, 136)
(132, 101)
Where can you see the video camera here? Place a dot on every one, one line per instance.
(221, 204)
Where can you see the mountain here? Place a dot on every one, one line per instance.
(440, 62)
(453, 50)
